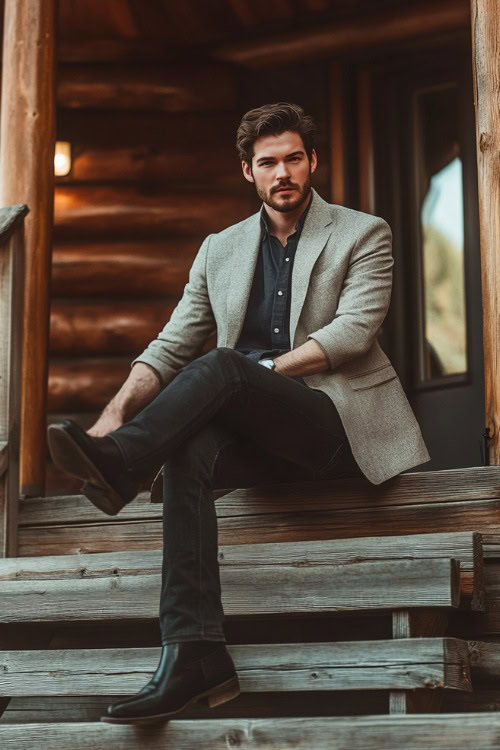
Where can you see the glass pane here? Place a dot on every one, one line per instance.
(442, 235)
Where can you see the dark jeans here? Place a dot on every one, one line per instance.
(224, 421)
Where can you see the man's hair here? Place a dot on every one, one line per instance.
(274, 119)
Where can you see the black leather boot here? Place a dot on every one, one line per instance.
(188, 672)
(109, 485)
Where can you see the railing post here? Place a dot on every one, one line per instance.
(485, 45)
(11, 332)
(27, 139)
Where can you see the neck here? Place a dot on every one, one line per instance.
(282, 223)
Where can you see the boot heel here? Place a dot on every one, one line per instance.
(223, 693)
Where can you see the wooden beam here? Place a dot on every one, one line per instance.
(176, 88)
(27, 136)
(338, 174)
(347, 35)
(432, 731)
(485, 45)
(260, 590)
(366, 167)
(11, 339)
(406, 664)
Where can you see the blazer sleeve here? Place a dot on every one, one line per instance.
(190, 325)
(364, 298)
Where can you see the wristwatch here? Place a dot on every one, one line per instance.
(269, 363)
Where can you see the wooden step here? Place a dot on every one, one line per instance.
(420, 502)
(429, 731)
(255, 589)
(463, 546)
(405, 664)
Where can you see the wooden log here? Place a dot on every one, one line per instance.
(149, 164)
(357, 32)
(436, 732)
(74, 386)
(11, 332)
(366, 155)
(92, 328)
(185, 88)
(28, 128)
(424, 663)
(123, 269)
(121, 212)
(123, 128)
(284, 589)
(338, 155)
(485, 45)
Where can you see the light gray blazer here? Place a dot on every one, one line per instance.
(341, 288)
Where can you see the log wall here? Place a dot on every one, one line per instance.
(154, 170)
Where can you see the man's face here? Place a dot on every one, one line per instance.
(281, 170)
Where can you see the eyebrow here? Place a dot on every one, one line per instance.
(270, 158)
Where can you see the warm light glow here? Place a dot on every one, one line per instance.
(62, 158)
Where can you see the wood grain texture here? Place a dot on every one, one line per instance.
(11, 341)
(185, 88)
(486, 75)
(90, 328)
(332, 39)
(424, 663)
(83, 211)
(28, 127)
(123, 269)
(282, 589)
(437, 732)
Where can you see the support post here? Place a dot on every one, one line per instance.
(27, 138)
(485, 26)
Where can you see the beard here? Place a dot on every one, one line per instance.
(290, 203)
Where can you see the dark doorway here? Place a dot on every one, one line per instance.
(426, 187)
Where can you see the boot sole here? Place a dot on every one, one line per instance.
(70, 458)
(215, 696)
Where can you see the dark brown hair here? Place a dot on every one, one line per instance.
(274, 119)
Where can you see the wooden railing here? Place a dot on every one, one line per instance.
(11, 326)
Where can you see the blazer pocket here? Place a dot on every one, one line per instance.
(374, 377)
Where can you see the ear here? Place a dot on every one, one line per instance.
(314, 161)
(247, 172)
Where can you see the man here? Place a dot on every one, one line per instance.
(297, 387)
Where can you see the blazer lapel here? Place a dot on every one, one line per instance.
(244, 260)
(315, 233)
(317, 228)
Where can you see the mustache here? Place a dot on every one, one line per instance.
(282, 187)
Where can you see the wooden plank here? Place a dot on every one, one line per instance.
(424, 663)
(303, 517)
(465, 547)
(83, 211)
(280, 589)
(348, 35)
(28, 127)
(453, 486)
(246, 705)
(186, 88)
(11, 343)
(436, 732)
(485, 45)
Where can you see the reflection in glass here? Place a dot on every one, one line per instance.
(442, 235)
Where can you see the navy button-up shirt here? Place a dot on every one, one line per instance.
(266, 328)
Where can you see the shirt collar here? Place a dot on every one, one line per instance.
(298, 225)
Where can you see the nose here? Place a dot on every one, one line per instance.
(283, 171)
